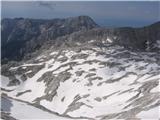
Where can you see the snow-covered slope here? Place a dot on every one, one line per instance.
(21, 110)
(88, 82)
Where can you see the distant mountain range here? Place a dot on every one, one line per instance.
(22, 36)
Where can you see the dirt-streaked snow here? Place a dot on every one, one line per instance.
(101, 82)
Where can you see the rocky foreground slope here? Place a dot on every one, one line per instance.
(85, 76)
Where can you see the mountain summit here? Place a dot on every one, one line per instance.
(21, 36)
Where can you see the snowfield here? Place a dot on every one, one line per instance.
(90, 83)
(21, 110)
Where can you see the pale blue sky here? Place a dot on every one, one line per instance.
(105, 13)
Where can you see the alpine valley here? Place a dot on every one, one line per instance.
(68, 69)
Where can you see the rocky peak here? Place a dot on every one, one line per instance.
(22, 35)
(85, 21)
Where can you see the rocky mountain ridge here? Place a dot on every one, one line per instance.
(21, 37)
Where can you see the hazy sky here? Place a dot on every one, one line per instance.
(105, 13)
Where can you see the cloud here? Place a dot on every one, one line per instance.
(49, 5)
